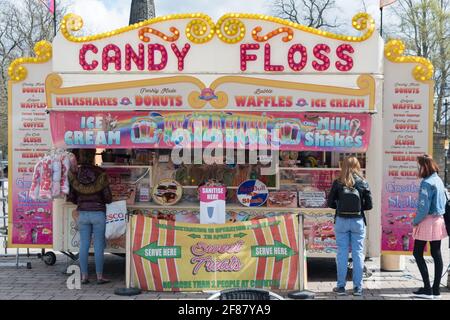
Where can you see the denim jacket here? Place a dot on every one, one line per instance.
(432, 198)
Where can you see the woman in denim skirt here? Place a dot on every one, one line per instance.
(429, 225)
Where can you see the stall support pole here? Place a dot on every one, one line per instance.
(302, 279)
(128, 290)
(128, 257)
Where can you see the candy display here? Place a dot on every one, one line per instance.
(50, 176)
(283, 199)
(167, 192)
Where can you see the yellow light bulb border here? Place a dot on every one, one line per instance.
(73, 23)
(393, 51)
(229, 28)
(43, 51)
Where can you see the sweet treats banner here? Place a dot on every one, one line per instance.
(174, 256)
(286, 131)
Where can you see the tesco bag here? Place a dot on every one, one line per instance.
(115, 219)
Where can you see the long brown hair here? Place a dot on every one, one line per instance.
(349, 167)
(427, 166)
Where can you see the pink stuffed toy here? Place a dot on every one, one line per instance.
(65, 166)
(36, 180)
(45, 190)
(56, 176)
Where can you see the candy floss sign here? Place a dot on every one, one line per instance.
(407, 133)
(236, 43)
(289, 131)
(173, 256)
(30, 221)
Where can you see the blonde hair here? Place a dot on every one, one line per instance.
(349, 167)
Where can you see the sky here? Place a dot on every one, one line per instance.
(104, 15)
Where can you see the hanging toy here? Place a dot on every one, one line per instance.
(56, 176)
(45, 188)
(65, 166)
(35, 181)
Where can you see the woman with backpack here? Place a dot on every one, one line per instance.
(429, 224)
(350, 196)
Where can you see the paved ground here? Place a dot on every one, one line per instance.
(44, 282)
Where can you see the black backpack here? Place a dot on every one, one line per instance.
(349, 202)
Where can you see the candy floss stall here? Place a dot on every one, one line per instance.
(218, 136)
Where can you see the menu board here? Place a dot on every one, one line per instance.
(319, 232)
(313, 185)
(30, 222)
(312, 199)
(407, 133)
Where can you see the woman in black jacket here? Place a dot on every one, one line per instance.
(89, 190)
(350, 196)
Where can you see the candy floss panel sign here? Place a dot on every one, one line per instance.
(236, 43)
(289, 131)
(30, 222)
(407, 133)
(173, 256)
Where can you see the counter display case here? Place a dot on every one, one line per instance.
(301, 186)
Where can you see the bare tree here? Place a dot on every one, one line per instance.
(22, 24)
(312, 13)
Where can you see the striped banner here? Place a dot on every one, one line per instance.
(172, 256)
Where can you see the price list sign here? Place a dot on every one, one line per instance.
(407, 133)
(30, 221)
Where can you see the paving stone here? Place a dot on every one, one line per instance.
(44, 282)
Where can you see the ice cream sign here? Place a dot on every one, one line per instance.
(236, 43)
(94, 130)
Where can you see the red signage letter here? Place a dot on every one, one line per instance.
(116, 59)
(180, 55)
(297, 66)
(152, 66)
(138, 59)
(267, 65)
(247, 57)
(341, 53)
(318, 49)
(82, 58)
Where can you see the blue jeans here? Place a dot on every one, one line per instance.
(350, 231)
(92, 222)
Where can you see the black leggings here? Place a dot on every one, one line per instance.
(435, 247)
